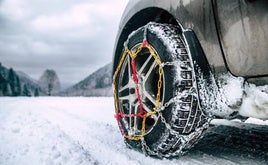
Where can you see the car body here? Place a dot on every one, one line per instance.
(233, 33)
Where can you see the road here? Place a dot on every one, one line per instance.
(53, 130)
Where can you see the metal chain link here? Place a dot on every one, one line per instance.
(173, 63)
(146, 150)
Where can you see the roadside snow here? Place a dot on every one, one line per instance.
(53, 130)
(255, 103)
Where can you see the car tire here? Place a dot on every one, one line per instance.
(158, 55)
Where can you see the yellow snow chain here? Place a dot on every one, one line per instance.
(142, 114)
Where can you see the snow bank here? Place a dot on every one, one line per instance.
(255, 102)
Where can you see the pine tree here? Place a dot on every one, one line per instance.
(7, 90)
(2, 84)
(11, 80)
(26, 91)
(36, 92)
(17, 87)
(14, 82)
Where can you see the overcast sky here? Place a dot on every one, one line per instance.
(73, 37)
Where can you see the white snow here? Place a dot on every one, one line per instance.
(255, 103)
(170, 43)
(249, 100)
(54, 130)
(229, 94)
(231, 88)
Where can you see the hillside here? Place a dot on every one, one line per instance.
(17, 83)
(98, 83)
(30, 82)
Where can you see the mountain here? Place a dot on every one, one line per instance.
(32, 84)
(49, 82)
(98, 83)
(17, 83)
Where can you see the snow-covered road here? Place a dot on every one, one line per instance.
(53, 130)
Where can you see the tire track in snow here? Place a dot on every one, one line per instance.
(240, 143)
(97, 138)
(52, 144)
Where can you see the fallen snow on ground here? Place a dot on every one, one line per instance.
(255, 103)
(53, 130)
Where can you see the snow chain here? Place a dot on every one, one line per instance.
(142, 114)
(158, 108)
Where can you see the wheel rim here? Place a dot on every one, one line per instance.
(148, 75)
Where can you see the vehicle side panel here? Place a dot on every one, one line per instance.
(192, 14)
(243, 29)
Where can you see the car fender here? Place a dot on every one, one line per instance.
(196, 15)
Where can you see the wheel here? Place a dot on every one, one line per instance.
(155, 92)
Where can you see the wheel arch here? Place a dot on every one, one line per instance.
(131, 23)
(196, 15)
(150, 14)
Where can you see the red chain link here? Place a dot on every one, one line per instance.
(142, 113)
(145, 43)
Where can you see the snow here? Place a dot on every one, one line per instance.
(228, 95)
(255, 102)
(170, 43)
(247, 99)
(232, 89)
(55, 130)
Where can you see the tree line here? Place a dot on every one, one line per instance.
(10, 85)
